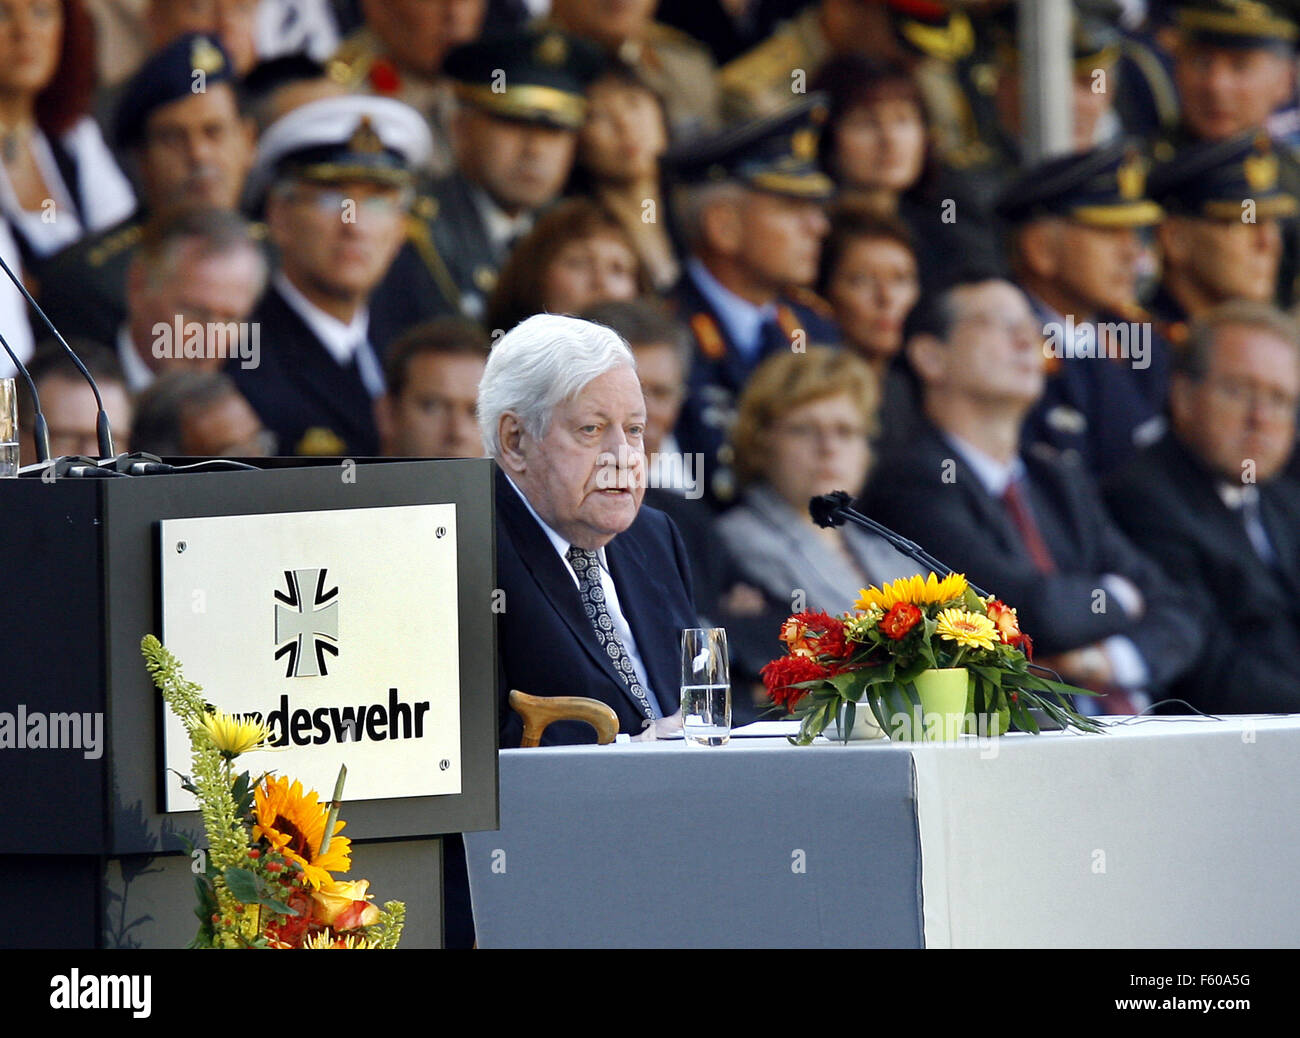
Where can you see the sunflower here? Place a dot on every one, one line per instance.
(969, 630)
(294, 824)
(233, 735)
(914, 590)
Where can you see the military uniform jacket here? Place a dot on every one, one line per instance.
(719, 370)
(312, 404)
(83, 287)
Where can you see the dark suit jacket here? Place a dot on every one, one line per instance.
(298, 386)
(1250, 661)
(547, 646)
(958, 522)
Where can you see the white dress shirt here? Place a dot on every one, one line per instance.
(343, 342)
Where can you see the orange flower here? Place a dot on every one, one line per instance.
(900, 619)
(1005, 620)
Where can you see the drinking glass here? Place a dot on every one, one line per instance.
(706, 686)
(8, 428)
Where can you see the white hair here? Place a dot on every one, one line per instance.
(537, 365)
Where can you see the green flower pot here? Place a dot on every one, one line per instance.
(943, 703)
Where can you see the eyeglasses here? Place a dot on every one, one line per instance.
(334, 202)
(808, 433)
(1241, 395)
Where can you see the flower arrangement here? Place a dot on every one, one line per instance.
(875, 654)
(273, 849)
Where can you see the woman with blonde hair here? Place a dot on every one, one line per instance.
(803, 428)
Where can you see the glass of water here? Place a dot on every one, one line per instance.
(8, 428)
(706, 686)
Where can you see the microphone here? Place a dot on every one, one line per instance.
(40, 430)
(837, 508)
(102, 429)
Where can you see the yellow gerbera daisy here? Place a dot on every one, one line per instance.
(233, 735)
(969, 630)
(914, 589)
(294, 824)
(325, 939)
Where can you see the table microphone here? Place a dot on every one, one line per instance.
(40, 429)
(834, 509)
(102, 430)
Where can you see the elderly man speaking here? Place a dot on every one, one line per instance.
(597, 588)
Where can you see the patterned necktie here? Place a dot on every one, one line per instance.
(586, 564)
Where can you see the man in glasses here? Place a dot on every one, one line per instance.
(1211, 504)
(335, 177)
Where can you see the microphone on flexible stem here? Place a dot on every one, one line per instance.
(40, 430)
(102, 429)
(834, 509)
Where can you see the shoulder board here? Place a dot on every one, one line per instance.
(709, 336)
(774, 59)
(258, 231)
(124, 239)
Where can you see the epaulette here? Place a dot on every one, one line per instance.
(709, 336)
(808, 298)
(770, 61)
(660, 34)
(258, 231)
(126, 238)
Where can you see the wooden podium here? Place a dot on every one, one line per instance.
(84, 841)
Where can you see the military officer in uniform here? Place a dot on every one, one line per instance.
(184, 147)
(1075, 251)
(335, 180)
(748, 206)
(398, 53)
(926, 37)
(1233, 66)
(521, 101)
(1221, 238)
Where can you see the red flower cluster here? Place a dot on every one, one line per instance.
(779, 675)
(900, 619)
(813, 633)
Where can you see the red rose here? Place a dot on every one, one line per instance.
(899, 620)
(815, 634)
(1005, 620)
(781, 674)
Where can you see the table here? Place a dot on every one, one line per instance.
(1162, 832)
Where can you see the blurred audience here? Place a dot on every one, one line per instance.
(274, 88)
(521, 102)
(198, 414)
(577, 255)
(336, 178)
(1073, 225)
(58, 179)
(183, 148)
(749, 206)
(877, 147)
(1028, 528)
(68, 402)
(624, 137)
(432, 374)
(190, 289)
(399, 53)
(1210, 502)
(678, 68)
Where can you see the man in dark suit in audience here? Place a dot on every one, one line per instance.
(336, 179)
(1211, 504)
(1028, 528)
(596, 588)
